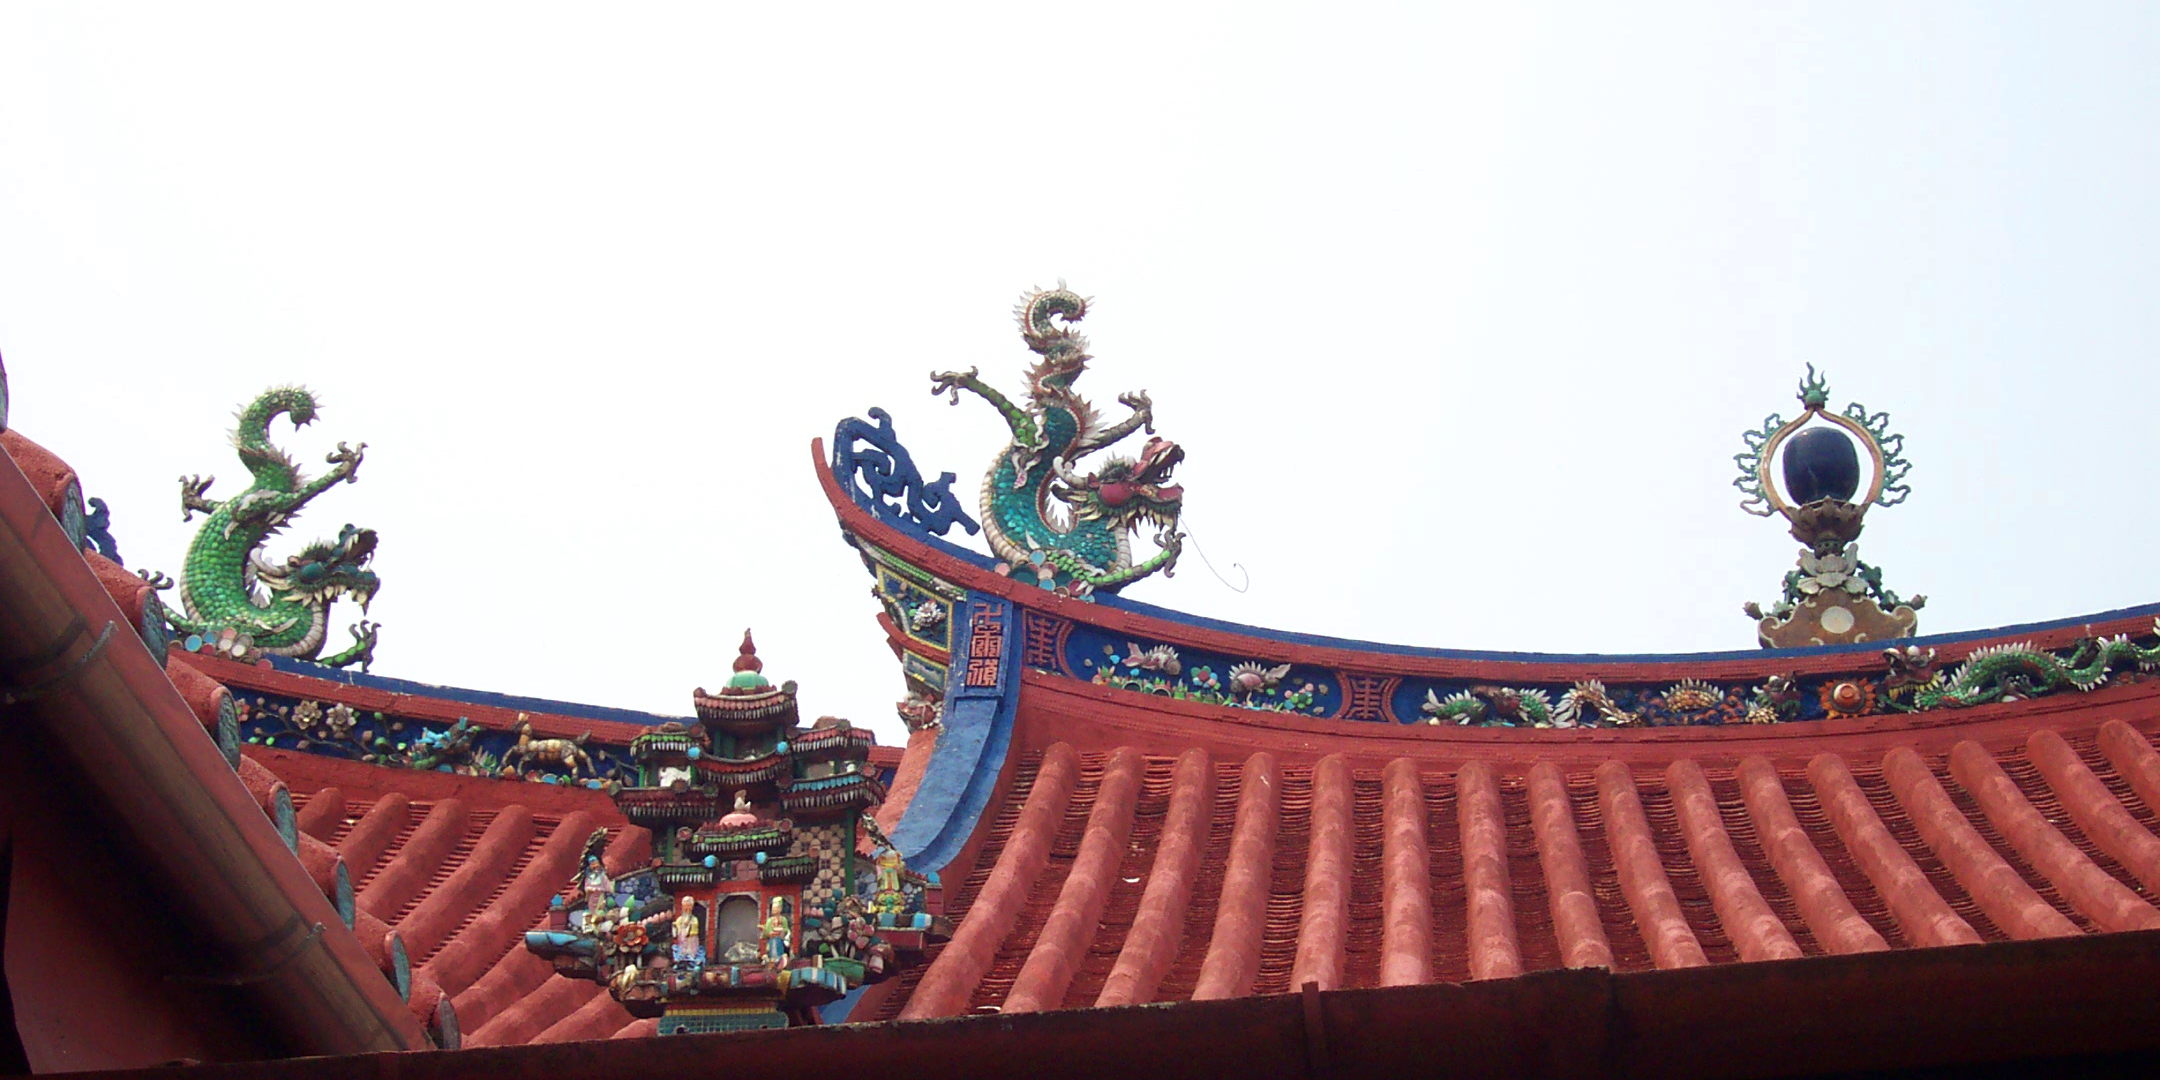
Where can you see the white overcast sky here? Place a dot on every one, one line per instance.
(1459, 310)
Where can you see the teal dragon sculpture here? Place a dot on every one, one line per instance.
(284, 608)
(2008, 672)
(1049, 522)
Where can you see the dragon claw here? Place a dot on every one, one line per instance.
(346, 459)
(192, 499)
(155, 579)
(363, 646)
(949, 382)
(1142, 405)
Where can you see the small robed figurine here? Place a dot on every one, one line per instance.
(776, 934)
(689, 947)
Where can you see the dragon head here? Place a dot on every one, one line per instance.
(1126, 492)
(327, 569)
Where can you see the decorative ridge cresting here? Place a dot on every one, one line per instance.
(1048, 522)
(881, 475)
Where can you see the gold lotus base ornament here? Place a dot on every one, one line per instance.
(1834, 618)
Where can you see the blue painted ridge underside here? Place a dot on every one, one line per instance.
(474, 697)
(970, 754)
(837, 1012)
(1121, 603)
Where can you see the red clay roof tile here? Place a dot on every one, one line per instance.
(460, 879)
(2005, 823)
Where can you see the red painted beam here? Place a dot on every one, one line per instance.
(1159, 926)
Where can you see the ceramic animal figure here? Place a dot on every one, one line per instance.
(1084, 545)
(569, 753)
(283, 606)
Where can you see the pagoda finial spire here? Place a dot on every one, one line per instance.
(748, 660)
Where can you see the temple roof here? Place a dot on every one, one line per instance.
(1121, 823)
(1324, 816)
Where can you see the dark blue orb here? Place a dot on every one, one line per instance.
(1821, 463)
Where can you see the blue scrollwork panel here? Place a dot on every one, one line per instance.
(883, 479)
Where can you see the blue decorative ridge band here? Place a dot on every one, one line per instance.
(1123, 603)
(883, 479)
(473, 697)
(982, 697)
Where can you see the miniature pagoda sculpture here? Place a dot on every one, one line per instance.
(1086, 545)
(241, 604)
(1831, 597)
(771, 890)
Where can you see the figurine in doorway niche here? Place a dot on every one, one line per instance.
(776, 934)
(689, 947)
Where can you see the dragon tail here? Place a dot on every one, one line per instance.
(1061, 347)
(271, 466)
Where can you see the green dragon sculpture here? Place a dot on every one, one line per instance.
(284, 608)
(2008, 672)
(1085, 545)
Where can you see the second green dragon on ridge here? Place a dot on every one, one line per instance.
(283, 607)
